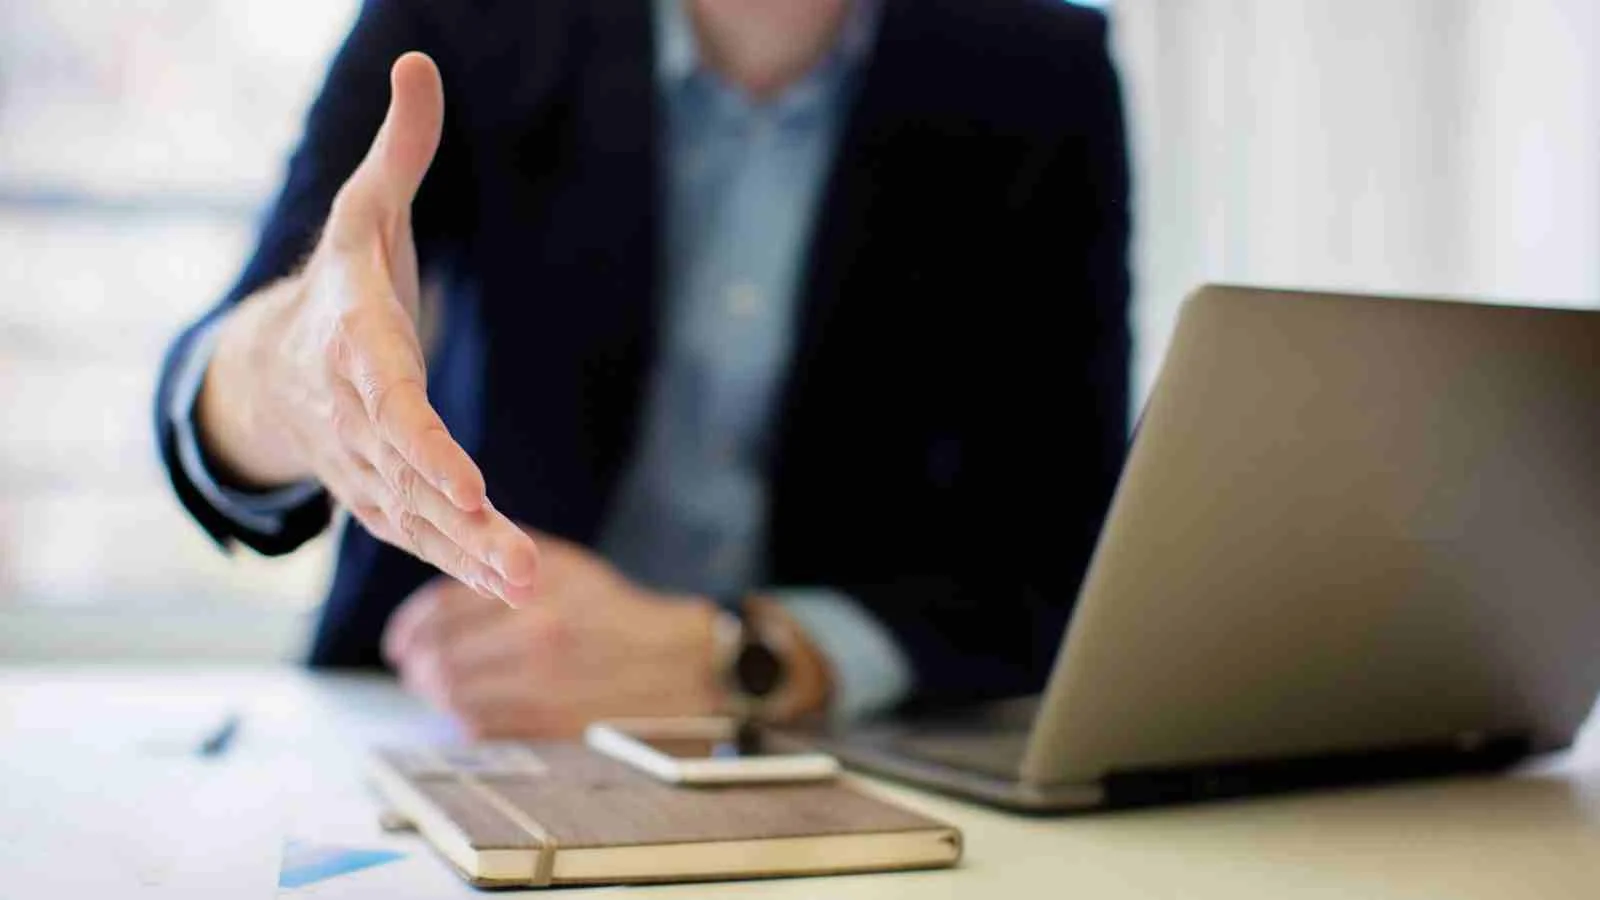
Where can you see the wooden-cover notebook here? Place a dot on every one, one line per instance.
(541, 814)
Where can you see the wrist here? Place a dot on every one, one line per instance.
(810, 684)
(759, 645)
(229, 412)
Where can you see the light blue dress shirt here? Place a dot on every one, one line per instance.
(743, 182)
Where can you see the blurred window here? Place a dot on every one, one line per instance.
(138, 141)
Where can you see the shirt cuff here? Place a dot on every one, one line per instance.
(262, 512)
(870, 672)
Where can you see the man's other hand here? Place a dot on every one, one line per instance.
(595, 646)
(322, 374)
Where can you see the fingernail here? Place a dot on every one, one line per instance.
(508, 596)
(503, 566)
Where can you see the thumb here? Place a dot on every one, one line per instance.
(401, 153)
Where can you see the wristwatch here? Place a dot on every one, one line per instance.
(753, 662)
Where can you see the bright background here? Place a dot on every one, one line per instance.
(1420, 146)
(137, 143)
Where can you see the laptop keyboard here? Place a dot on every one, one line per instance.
(993, 753)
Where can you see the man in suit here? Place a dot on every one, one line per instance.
(789, 338)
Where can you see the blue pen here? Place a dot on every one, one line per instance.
(218, 741)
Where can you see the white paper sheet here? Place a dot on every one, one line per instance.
(90, 825)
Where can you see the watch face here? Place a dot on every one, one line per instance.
(759, 671)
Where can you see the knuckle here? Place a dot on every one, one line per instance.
(464, 566)
(393, 511)
(378, 394)
(409, 526)
(390, 466)
(341, 339)
(388, 506)
(375, 392)
(343, 422)
(347, 322)
(335, 351)
(404, 480)
(369, 515)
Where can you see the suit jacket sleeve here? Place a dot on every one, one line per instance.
(1041, 460)
(338, 130)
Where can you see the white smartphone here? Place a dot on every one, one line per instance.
(705, 751)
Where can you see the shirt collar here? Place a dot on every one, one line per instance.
(678, 51)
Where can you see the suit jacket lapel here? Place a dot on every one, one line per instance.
(861, 167)
(617, 122)
(583, 311)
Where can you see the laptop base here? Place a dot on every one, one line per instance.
(883, 750)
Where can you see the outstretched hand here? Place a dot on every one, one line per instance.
(323, 374)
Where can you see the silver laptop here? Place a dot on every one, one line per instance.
(1355, 538)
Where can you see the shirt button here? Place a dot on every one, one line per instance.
(744, 300)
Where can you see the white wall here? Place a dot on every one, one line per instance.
(1408, 146)
(1533, 138)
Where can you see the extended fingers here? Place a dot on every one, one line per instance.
(380, 511)
(422, 520)
(391, 459)
(382, 366)
(486, 535)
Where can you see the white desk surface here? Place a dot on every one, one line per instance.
(1535, 834)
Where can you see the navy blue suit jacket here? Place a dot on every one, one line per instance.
(955, 415)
